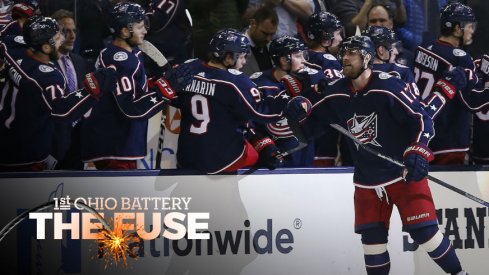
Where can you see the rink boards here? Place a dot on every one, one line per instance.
(279, 222)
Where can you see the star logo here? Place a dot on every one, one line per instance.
(427, 135)
(364, 128)
(153, 99)
(433, 107)
(285, 96)
(78, 94)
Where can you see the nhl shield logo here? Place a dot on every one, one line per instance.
(364, 128)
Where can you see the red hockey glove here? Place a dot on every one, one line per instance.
(452, 81)
(269, 155)
(100, 81)
(163, 87)
(416, 158)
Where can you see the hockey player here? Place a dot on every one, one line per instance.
(21, 11)
(433, 60)
(377, 109)
(480, 147)
(289, 55)
(114, 132)
(324, 37)
(217, 107)
(35, 94)
(384, 40)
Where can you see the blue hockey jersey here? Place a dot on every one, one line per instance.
(452, 122)
(326, 63)
(117, 127)
(402, 72)
(215, 107)
(382, 115)
(32, 97)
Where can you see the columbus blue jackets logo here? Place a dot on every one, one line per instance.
(120, 56)
(45, 69)
(364, 128)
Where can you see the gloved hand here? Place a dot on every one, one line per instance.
(298, 108)
(296, 83)
(417, 158)
(100, 81)
(452, 81)
(179, 77)
(162, 86)
(269, 155)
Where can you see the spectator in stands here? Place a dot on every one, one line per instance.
(74, 68)
(353, 13)
(263, 27)
(21, 11)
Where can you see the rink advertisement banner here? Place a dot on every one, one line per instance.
(282, 223)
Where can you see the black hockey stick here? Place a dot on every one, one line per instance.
(400, 164)
(152, 52)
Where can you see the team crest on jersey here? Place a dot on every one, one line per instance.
(45, 69)
(19, 39)
(329, 56)
(384, 75)
(256, 75)
(459, 52)
(120, 56)
(364, 128)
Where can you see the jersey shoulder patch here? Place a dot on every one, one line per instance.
(384, 75)
(329, 56)
(256, 75)
(234, 71)
(45, 68)
(310, 70)
(459, 52)
(19, 39)
(120, 56)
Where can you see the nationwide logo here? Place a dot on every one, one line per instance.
(364, 128)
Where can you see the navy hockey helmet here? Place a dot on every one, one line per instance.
(285, 46)
(228, 41)
(124, 15)
(24, 8)
(39, 30)
(322, 25)
(456, 12)
(359, 42)
(381, 36)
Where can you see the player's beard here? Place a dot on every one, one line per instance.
(352, 73)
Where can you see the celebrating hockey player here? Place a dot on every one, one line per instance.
(36, 93)
(432, 61)
(217, 106)
(377, 109)
(114, 132)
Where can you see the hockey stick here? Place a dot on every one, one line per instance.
(152, 52)
(400, 164)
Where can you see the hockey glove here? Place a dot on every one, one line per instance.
(269, 155)
(297, 83)
(298, 108)
(162, 86)
(417, 158)
(179, 77)
(452, 81)
(100, 81)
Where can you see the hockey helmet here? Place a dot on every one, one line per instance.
(456, 12)
(124, 15)
(359, 42)
(39, 30)
(24, 8)
(322, 25)
(381, 36)
(285, 46)
(228, 41)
